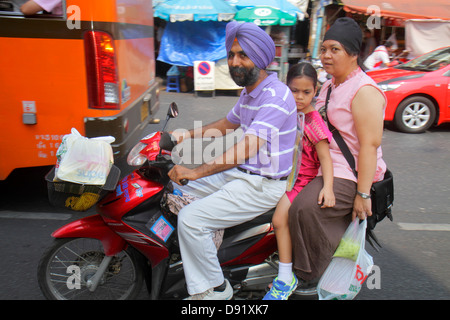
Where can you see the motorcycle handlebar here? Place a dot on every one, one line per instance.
(168, 142)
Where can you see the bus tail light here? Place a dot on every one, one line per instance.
(101, 68)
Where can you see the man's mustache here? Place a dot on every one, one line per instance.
(238, 70)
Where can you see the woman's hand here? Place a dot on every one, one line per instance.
(362, 208)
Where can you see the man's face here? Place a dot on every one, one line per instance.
(242, 69)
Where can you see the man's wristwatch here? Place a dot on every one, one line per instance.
(363, 195)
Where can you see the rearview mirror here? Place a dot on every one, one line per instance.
(173, 110)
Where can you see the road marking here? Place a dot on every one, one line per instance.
(424, 226)
(34, 215)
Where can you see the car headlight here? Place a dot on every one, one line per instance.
(390, 87)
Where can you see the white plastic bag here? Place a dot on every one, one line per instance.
(350, 266)
(83, 160)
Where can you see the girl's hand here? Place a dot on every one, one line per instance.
(326, 198)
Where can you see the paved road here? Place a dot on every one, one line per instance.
(413, 263)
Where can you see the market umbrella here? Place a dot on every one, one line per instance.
(267, 12)
(266, 16)
(199, 10)
(282, 5)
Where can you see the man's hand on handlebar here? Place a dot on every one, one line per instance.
(181, 175)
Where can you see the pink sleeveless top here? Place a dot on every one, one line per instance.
(340, 115)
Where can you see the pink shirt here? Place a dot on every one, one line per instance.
(315, 131)
(340, 115)
(53, 6)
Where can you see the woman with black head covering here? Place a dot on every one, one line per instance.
(356, 109)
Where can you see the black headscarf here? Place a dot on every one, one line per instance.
(347, 32)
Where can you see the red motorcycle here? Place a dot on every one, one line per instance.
(133, 239)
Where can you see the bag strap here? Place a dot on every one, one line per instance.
(338, 138)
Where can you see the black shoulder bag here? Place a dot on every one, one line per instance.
(381, 192)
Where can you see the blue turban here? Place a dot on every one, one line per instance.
(255, 42)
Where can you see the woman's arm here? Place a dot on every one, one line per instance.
(367, 110)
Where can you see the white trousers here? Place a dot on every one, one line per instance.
(226, 199)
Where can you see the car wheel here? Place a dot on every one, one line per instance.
(415, 115)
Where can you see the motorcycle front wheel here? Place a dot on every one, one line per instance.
(66, 267)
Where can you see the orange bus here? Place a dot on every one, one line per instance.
(90, 66)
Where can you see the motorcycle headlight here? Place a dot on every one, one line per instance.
(135, 157)
(390, 87)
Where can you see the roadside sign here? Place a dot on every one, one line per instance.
(204, 76)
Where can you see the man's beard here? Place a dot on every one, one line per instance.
(243, 76)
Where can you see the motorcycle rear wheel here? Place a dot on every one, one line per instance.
(69, 263)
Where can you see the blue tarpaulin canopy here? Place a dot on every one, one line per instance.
(185, 42)
(195, 31)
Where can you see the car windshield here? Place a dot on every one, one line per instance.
(431, 61)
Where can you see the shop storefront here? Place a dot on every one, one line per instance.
(384, 19)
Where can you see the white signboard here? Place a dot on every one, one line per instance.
(203, 75)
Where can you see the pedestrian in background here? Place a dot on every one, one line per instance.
(379, 58)
(369, 44)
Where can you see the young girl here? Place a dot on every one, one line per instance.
(302, 80)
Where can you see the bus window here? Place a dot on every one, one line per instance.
(49, 8)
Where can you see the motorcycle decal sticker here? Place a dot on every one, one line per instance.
(162, 229)
(139, 192)
(138, 189)
(123, 189)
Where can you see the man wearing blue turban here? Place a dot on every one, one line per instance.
(255, 42)
(249, 178)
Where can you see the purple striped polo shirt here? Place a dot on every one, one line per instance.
(269, 112)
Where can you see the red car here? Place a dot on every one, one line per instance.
(418, 91)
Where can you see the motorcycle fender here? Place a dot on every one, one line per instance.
(93, 227)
